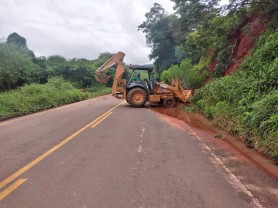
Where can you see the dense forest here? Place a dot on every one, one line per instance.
(29, 83)
(229, 56)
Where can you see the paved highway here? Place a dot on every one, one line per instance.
(102, 153)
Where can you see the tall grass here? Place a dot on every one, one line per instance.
(36, 97)
(246, 103)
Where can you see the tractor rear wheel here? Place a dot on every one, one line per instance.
(169, 102)
(137, 97)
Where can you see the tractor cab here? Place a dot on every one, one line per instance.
(147, 83)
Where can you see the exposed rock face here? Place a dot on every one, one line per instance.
(18, 40)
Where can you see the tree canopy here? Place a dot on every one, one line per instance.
(161, 35)
(196, 27)
(19, 66)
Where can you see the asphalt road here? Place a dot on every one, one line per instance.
(102, 153)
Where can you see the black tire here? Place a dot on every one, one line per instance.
(127, 100)
(169, 102)
(136, 97)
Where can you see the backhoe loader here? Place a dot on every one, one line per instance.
(137, 93)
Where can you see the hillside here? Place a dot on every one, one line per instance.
(242, 41)
(229, 57)
(245, 103)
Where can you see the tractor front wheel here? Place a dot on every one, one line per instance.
(169, 102)
(137, 97)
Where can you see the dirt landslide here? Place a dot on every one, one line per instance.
(255, 171)
(243, 40)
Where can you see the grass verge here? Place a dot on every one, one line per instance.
(36, 97)
(245, 103)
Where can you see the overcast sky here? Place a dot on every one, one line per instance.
(80, 28)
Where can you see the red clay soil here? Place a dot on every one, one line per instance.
(243, 40)
(210, 69)
(210, 134)
(212, 66)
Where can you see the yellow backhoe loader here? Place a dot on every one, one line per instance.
(137, 93)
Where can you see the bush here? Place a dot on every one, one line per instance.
(34, 97)
(192, 76)
(246, 102)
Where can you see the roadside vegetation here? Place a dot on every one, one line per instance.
(246, 102)
(229, 56)
(35, 97)
(29, 83)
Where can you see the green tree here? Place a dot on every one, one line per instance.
(16, 66)
(195, 12)
(58, 66)
(269, 6)
(43, 74)
(102, 58)
(161, 35)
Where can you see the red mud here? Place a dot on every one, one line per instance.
(216, 139)
(195, 120)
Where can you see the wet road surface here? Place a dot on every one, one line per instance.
(103, 153)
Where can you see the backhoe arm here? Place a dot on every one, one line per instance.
(117, 59)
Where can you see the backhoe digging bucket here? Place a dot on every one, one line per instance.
(102, 78)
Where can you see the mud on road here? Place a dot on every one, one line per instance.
(257, 173)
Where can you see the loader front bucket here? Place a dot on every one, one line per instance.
(102, 78)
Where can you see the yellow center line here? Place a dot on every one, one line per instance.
(11, 188)
(107, 112)
(102, 119)
(53, 149)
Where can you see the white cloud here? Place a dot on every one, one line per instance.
(81, 29)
